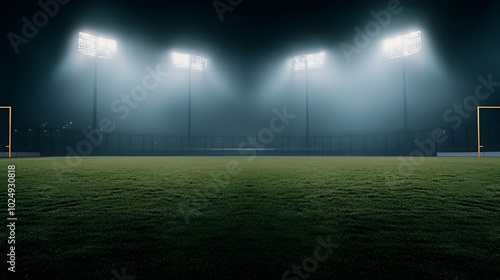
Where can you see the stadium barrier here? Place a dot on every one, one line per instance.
(54, 142)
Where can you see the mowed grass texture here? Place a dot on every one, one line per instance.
(243, 218)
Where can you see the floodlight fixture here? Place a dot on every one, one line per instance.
(307, 61)
(195, 62)
(96, 46)
(403, 45)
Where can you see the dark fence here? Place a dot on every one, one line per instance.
(51, 142)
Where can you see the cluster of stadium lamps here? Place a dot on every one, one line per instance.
(397, 47)
(96, 46)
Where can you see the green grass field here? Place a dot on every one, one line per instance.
(230, 218)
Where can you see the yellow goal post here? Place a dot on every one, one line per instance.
(479, 146)
(10, 128)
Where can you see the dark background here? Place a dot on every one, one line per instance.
(248, 76)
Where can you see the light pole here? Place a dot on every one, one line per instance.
(401, 47)
(190, 62)
(98, 47)
(304, 63)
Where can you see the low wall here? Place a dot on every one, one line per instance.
(19, 154)
(469, 154)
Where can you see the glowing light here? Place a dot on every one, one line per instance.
(403, 45)
(308, 61)
(186, 60)
(93, 45)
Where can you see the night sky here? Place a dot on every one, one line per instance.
(47, 80)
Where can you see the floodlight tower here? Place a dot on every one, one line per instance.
(190, 62)
(98, 47)
(401, 47)
(304, 63)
